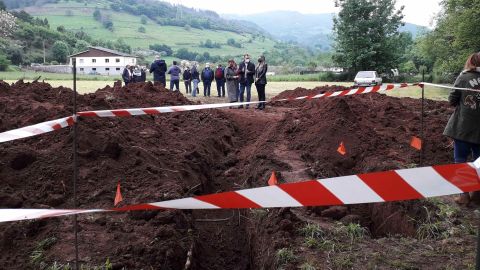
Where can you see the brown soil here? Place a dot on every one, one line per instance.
(183, 154)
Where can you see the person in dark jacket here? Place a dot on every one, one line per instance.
(158, 68)
(174, 72)
(137, 74)
(195, 80)
(127, 75)
(187, 79)
(220, 80)
(261, 81)
(143, 77)
(207, 78)
(464, 124)
(247, 72)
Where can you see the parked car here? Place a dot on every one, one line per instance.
(367, 78)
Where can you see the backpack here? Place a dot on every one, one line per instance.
(219, 74)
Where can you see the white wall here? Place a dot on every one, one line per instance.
(86, 65)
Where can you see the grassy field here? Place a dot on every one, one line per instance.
(126, 27)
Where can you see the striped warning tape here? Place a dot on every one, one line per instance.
(61, 123)
(37, 129)
(396, 185)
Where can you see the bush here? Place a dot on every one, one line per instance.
(143, 20)
(162, 48)
(141, 29)
(4, 62)
(60, 51)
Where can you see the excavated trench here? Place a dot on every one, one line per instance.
(179, 155)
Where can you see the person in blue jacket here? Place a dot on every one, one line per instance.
(158, 68)
(174, 72)
(207, 78)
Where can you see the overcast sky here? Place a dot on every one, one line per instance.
(416, 11)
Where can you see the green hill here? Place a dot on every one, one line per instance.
(78, 16)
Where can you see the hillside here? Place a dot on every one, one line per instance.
(313, 30)
(78, 16)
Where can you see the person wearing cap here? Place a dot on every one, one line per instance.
(231, 78)
(220, 80)
(247, 72)
(261, 81)
(158, 68)
(464, 124)
(207, 78)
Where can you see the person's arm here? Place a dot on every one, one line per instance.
(455, 95)
(262, 72)
(152, 68)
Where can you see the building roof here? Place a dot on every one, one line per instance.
(100, 51)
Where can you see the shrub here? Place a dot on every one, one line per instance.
(141, 29)
(4, 63)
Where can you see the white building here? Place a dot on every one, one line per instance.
(98, 60)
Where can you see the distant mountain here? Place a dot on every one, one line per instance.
(313, 30)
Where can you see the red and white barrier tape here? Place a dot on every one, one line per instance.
(68, 121)
(354, 91)
(397, 185)
(37, 129)
(450, 87)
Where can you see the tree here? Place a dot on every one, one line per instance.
(2, 6)
(456, 35)
(60, 51)
(81, 46)
(143, 19)
(97, 15)
(141, 29)
(4, 62)
(366, 34)
(161, 48)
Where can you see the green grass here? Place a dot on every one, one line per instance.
(126, 26)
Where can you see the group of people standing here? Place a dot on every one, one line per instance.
(134, 74)
(235, 80)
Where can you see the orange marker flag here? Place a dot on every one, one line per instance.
(118, 196)
(341, 149)
(416, 143)
(273, 180)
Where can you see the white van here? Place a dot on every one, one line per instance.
(367, 78)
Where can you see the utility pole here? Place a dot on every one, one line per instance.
(44, 61)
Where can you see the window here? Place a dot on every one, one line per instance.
(133, 60)
(117, 60)
(94, 69)
(82, 69)
(94, 60)
(117, 69)
(81, 61)
(107, 60)
(107, 69)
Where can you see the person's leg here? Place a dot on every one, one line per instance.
(171, 85)
(204, 89)
(264, 96)
(461, 151)
(177, 85)
(222, 88)
(195, 88)
(219, 94)
(476, 151)
(241, 94)
(186, 86)
(164, 81)
(249, 93)
(209, 88)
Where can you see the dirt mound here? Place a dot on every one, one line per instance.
(191, 153)
(154, 157)
(301, 92)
